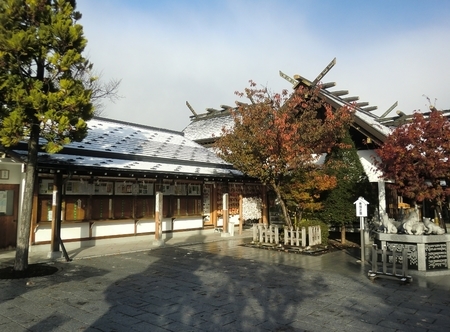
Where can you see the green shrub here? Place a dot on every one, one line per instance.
(324, 228)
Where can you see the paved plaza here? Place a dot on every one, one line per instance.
(212, 283)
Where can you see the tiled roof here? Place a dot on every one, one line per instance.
(135, 165)
(117, 145)
(208, 127)
(131, 139)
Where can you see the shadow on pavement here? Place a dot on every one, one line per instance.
(218, 288)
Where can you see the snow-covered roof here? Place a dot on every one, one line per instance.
(208, 127)
(364, 117)
(118, 145)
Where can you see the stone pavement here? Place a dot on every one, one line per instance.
(211, 283)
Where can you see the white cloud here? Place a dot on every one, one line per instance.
(168, 56)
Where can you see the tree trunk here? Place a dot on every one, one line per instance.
(24, 226)
(287, 219)
(299, 217)
(343, 239)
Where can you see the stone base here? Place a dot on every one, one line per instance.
(54, 254)
(158, 243)
(427, 254)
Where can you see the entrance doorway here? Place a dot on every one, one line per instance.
(9, 206)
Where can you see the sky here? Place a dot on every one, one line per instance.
(168, 52)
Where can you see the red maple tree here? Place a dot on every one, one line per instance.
(415, 157)
(279, 134)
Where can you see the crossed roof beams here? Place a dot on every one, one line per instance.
(363, 107)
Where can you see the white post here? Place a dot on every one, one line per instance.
(361, 231)
(361, 212)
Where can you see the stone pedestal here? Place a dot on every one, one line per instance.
(427, 253)
(54, 255)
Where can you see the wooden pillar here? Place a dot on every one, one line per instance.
(34, 212)
(241, 217)
(264, 207)
(214, 206)
(225, 214)
(56, 214)
(158, 215)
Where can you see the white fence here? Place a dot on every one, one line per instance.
(273, 234)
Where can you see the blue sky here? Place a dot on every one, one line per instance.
(170, 52)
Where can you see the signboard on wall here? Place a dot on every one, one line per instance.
(46, 186)
(78, 188)
(103, 188)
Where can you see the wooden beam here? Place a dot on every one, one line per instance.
(211, 110)
(324, 72)
(370, 108)
(287, 78)
(328, 85)
(190, 107)
(389, 110)
(362, 104)
(338, 93)
(240, 103)
(350, 99)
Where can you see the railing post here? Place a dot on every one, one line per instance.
(394, 259)
(384, 258)
(303, 237)
(271, 233)
(374, 258)
(261, 233)
(266, 235)
(404, 261)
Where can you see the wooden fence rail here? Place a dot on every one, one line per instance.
(271, 234)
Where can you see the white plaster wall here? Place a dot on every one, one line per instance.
(167, 224)
(188, 223)
(43, 232)
(15, 172)
(71, 231)
(145, 226)
(148, 226)
(366, 157)
(15, 177)
(234, 219)
(105, 228)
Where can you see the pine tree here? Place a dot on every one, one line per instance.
(343, 163)
(43, 92)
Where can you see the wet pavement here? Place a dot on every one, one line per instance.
(211, 283)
